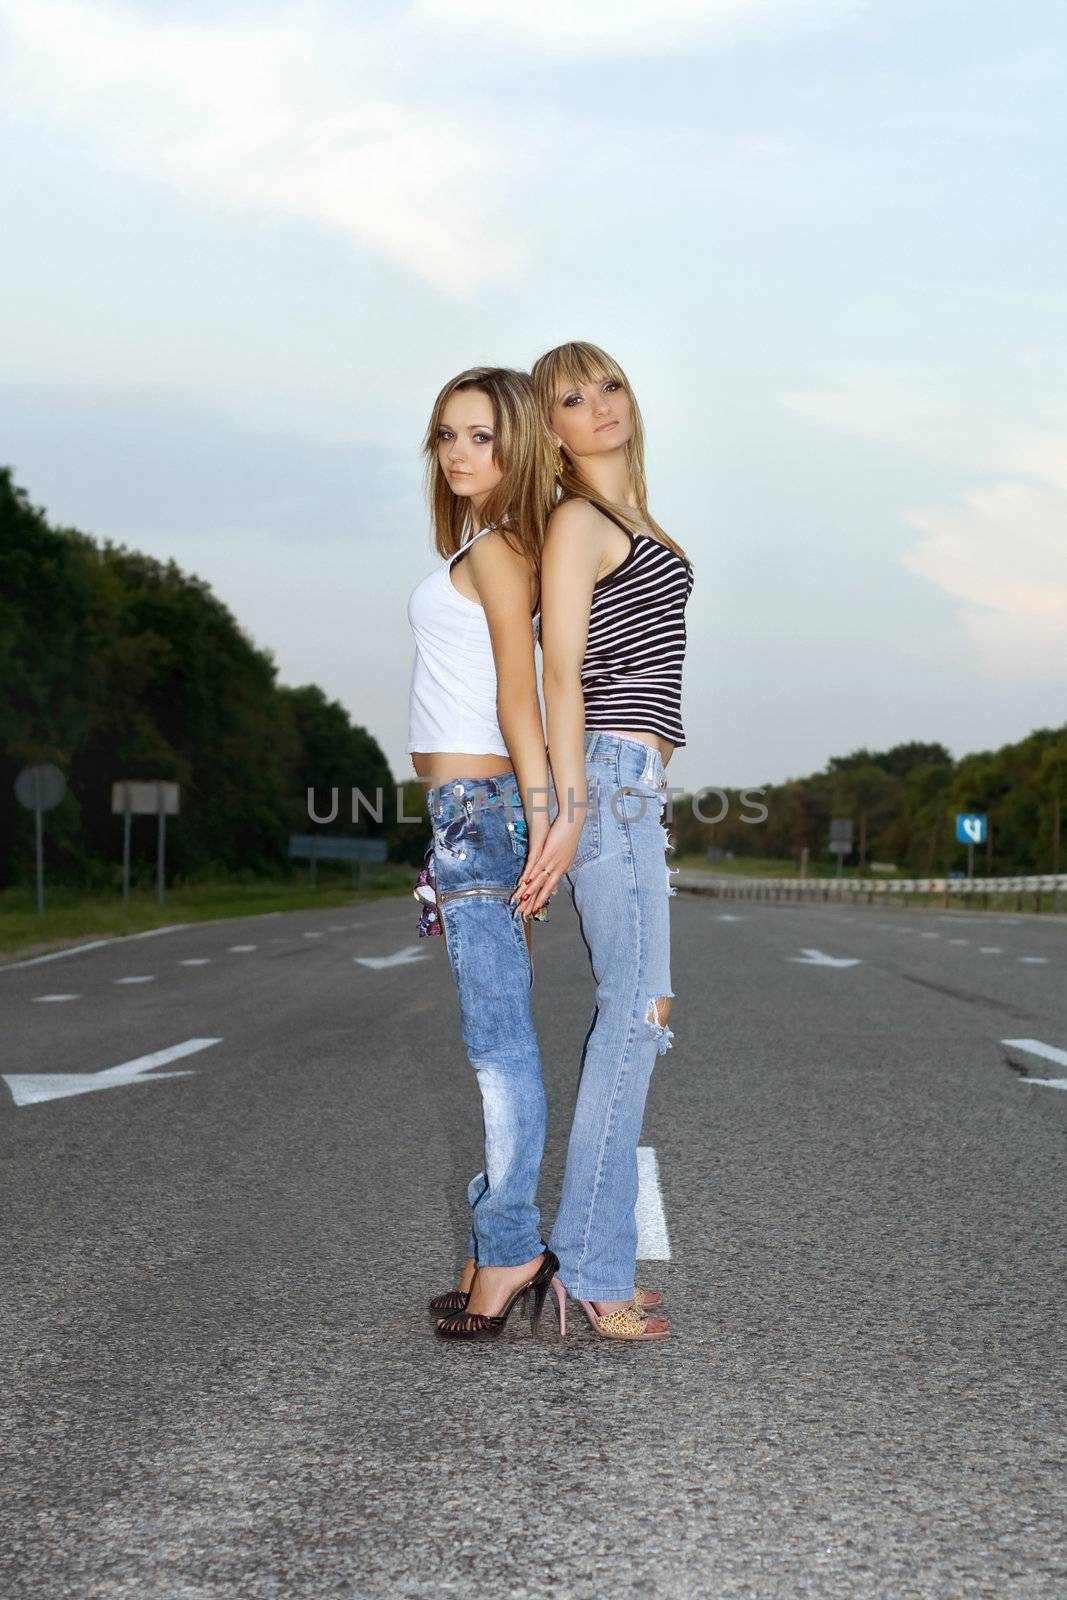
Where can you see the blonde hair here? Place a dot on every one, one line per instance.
(568, 366)
(522, 449)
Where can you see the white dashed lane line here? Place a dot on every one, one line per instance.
(53, 999)
(195, 961)
(147, 978)
(991, 950)
(1034, 961)
(241, 949)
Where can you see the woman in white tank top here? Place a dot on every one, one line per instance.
(477, 742)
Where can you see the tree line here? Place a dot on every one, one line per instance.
(115, 665)
(903, 803)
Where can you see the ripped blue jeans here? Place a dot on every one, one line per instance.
(480, 841)
(621, 886)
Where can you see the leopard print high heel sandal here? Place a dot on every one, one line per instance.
(629, 1323)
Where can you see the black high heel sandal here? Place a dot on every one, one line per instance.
(443, 1305)
(476, 1325)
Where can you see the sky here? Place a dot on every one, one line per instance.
(245, 245)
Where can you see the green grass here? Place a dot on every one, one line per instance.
(70, 916)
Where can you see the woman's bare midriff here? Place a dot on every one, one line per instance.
(664, 746)
(434, 767)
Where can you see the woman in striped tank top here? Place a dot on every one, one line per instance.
(614, 589)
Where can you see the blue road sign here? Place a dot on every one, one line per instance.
(970, 827)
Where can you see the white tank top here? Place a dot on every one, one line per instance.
(453, 683)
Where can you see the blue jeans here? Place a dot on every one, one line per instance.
(621, 886)
(480, 840)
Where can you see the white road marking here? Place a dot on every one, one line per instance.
(43, 999)
(1034, 1047)
(726, 917)
(959, 941)
(817, 958)
(336, 927)
(93, 944)
(929, 936)
(1034, 961)
(239, 949)
(991, 950)
(32, 1088)
(652, 1241)
(1047, 1083)
(402, 958)
(313, 935)
(195, 961)
(148, 978)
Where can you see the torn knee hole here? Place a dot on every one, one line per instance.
(657, 1016)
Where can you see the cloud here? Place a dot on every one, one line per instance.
(1000, 549)
(1002, 552)
(390, 127)
(280, 113)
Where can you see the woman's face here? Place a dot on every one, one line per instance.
(465, 442)
(592, 418)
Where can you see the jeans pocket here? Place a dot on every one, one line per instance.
(637, 803)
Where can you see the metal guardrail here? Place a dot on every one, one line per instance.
(988, 890)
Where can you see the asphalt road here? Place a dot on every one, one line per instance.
(219, 1380)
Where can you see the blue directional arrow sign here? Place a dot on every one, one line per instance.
(970, 827)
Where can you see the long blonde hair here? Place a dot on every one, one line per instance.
(522, 449)
(567, 367)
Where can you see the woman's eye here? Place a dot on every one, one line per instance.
(483, 438)
(613, 384)
(444, 436)
(572, 400)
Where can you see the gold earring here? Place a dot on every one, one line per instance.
(559, 462)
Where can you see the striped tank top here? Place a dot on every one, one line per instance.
(632, 671)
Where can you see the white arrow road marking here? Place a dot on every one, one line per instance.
(1034, 961)
(403, 958)
(148, 978)
(1034, 1047)
(726, 917)
(652, 1241)
(1048, 1052)
(817, 958)
(31, 1088)
(196, 961)
(42, 999)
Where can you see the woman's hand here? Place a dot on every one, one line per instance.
(544, 868)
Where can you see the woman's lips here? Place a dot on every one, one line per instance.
(604, 425)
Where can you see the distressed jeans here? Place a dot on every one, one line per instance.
(480, 840)
(621, 886)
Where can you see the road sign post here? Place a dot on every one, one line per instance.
(971, 829)
(314, 847)
(132, 798)
(840, 839)
(39, 788)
